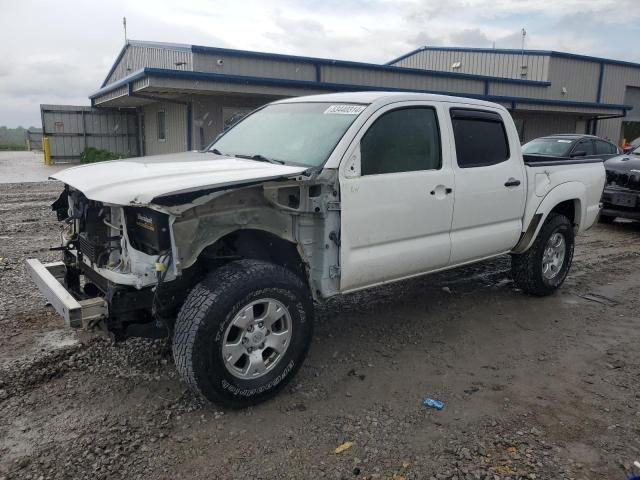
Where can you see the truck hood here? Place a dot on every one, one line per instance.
(138, 181)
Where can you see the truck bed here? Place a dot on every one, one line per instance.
(546, 161)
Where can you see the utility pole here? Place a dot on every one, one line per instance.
(124, 24)
(523, 66)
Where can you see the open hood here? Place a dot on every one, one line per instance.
(138, 181)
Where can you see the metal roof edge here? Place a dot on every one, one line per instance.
(119, 83)
(516, 51)
(167, 73)
(115, 64)
(406, 55)
(366, 65)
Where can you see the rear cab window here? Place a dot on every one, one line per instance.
(480, 138)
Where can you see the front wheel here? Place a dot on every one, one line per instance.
(243, 332)
(543, 268)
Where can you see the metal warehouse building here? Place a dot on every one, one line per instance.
(182, 96)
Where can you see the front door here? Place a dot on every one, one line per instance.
(490, 184)
(396, 185)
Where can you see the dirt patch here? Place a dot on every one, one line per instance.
(533, 387)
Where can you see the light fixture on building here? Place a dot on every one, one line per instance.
(456, 65)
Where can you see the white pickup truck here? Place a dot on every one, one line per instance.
(226, 250)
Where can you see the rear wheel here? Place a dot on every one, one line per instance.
(543, 268)
(243, 332)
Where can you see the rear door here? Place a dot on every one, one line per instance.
(490, 184)
(396, 196)
(585, 145)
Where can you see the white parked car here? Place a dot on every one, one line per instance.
(226, 250)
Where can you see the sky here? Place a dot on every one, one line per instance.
(59, 52)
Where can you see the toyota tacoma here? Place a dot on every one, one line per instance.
(225, 251)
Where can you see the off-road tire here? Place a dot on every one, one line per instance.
(206, 314)
(526, 268)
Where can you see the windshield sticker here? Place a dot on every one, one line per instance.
(345, 109)
(563, 141)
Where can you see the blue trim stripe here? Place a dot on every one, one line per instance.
(515, 51)
(305, 84)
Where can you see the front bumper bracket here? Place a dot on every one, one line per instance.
(76, 313)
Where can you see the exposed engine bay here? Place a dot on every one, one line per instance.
(123, 254)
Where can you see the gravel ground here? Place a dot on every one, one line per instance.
(533, 388)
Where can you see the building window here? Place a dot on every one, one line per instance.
(480, 137)
(162, 132)
(404, 140)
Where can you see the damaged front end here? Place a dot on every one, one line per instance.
(128, 269)
(116, 267)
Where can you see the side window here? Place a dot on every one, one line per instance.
(403, 140)
(480, 136)
(604, 148)
(162, 133)
(585, 146)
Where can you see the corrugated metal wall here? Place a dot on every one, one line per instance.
(71, 129)
(34, 140)
(175, 128)
(254, 67)
(616, 82)
(207, 114)
(378, 78)
(579, 77)
(480, 63)
(137, 57)
(539, 124)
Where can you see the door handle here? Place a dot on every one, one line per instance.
(512, 182)
(447, 190)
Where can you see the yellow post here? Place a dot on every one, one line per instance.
(47, 151)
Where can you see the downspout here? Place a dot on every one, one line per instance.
(592, 122)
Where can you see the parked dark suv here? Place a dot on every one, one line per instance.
(571, 145)
(621, 197)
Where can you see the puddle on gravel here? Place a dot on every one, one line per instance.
(30, 347)
(57, 339)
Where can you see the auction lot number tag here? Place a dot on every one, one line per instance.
(345, 109)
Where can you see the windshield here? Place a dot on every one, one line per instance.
(297, 133)
(556, 147)
(636, 151)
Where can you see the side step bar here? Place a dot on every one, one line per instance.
(76, 313)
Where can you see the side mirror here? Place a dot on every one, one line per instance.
(579, 153)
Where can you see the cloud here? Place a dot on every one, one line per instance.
(59, 52)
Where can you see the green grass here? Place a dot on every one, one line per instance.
(92, 155)
(11, 147)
